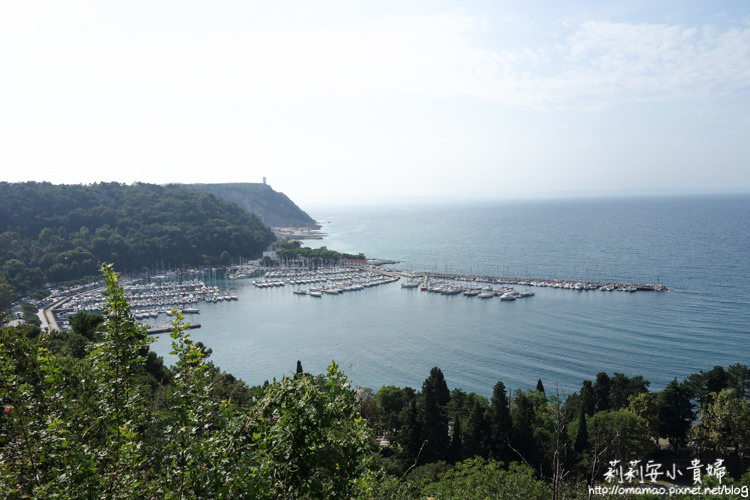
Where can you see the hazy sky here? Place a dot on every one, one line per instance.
(346, 101)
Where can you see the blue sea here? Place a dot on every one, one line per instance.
(698, 246)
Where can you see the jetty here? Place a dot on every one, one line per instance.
(557, 283)
(568, 284)
(165, 329)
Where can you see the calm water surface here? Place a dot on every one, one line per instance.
(698, 246)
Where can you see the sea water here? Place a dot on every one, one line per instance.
(697, 246)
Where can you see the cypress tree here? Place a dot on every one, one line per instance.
(540, 386)
(588, 402)
(433, 416)
(410, 433)
(524, 420)
(500, 424)
(476, 430)
(582, 436)
(455, 452)
(675, 412)
(602, 387)
(441, 388)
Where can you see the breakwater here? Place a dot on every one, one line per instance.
(557, 283)
(282, 276)
(536, 282)
(164, 329)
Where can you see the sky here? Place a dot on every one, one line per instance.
(339, 102)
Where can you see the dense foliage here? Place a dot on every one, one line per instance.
(62, 232)
(563, 444)
(103, 426)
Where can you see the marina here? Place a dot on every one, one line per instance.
(149, 299)
(339, 279)
(326, 280)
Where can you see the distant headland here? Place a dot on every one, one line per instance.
(274, 209)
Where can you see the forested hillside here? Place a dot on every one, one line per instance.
(62, 232)
(274, 209)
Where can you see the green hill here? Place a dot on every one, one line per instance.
(273, 208)
(62, 232)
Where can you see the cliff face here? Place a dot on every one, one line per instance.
(274, 209)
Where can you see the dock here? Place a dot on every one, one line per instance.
(572, 284)
(164, 329)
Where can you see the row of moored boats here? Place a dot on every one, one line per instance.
(146, 300)
(452, 288)
(332, 281)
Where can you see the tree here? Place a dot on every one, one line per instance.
(433, 416)
(582, 434)
(391, 401)
(75, 430)
(601, 389)
(540, 386)
(6, 295)
(365, 398)
(622, 387)
(437, 380)
(410, 434)
(456, 449)
(702, 384)
(675, 413)
(477, 429)
(500, 424)
(619, 435)
(187, 446)
(588, 399)
(523, 441)
(645, 405)
(476, 478)
(724, 426)
(86, 324)
(738, 376)
(307, 440)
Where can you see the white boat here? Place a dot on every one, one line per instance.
(300, 291)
